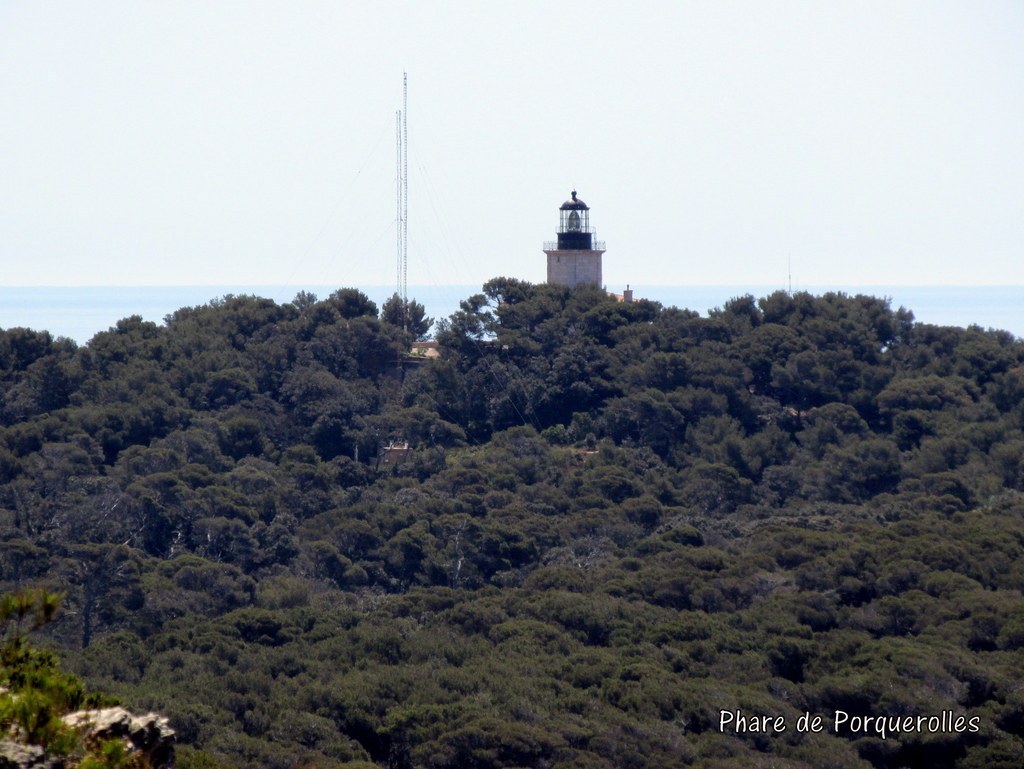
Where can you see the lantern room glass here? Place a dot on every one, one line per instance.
(574, 220)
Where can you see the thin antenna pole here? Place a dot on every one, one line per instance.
(398, 201)
(789, 271)
(402, 202)
(405, 201)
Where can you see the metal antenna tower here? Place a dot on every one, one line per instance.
(402, 203)
(398, 201)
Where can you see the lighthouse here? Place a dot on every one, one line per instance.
(575, 258)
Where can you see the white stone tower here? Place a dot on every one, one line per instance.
(575, 258)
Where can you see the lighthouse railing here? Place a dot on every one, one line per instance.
(552, 245)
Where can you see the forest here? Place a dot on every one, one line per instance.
(622, 536)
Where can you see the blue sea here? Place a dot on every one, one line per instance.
(80, 312)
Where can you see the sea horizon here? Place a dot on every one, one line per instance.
(80, 312)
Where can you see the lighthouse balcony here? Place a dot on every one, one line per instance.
(561, 245)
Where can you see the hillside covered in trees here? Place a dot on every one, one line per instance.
(613, 523)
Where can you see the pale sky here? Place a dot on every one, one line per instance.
(214, 143)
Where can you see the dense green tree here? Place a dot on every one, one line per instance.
(612, 521)
(406, 314)
(352, 303)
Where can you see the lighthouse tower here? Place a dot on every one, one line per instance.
(575, 258)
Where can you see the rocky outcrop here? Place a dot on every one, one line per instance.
(149, 737)
(16, 756)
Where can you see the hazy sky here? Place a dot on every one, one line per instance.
(193, 142)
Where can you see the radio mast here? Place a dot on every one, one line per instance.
(402, 202)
